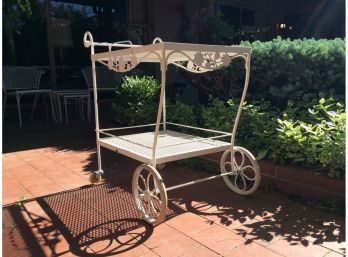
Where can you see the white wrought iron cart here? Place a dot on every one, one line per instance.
(238, 166)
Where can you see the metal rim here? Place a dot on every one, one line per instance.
(150, 194)
(246, 176)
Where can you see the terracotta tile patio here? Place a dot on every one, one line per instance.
(48, 166)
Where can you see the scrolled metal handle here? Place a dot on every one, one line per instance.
(87, 39)
(157, 40)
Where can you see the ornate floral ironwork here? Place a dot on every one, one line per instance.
(207, 61)
(122, 63)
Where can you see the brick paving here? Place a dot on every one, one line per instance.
(48, 168)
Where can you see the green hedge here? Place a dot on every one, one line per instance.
(283, 70)
(309, 133)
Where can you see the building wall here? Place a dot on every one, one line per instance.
(174, 20)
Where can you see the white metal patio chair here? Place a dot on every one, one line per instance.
(107, 80)
(80, 97)
(20, 81)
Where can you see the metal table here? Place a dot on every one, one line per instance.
(238, 166)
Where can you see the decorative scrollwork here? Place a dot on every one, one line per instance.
(122, 63)
(211, 61)
(207, 61)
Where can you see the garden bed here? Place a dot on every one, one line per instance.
(296, 180)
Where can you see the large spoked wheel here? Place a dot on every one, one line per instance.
(150, 194)
(246, 176)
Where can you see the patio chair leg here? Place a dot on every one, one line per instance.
(52, 107)
(66, 111)
(18, 97)
(59, 109)
(3, 107)
(45, 103)
(34, 106)
(77, 107)
(82, 109)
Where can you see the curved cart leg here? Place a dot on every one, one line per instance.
(150, 194)
(246, 177)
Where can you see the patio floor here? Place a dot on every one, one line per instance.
(48, 165)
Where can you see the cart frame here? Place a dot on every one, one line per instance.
(193, 58)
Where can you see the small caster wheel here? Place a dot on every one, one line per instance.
(95, 178)
(161, 166)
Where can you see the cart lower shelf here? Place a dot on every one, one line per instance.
(171, 146)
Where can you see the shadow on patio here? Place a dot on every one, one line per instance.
(101, 220)
(98, 220)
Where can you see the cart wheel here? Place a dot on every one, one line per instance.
(161, 166)
(150, 194)
(246, 176)
(95, 178)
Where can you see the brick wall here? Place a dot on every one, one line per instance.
(298, 181)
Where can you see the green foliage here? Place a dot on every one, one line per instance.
(257, 120)
(310, 134)
(24, 33)
(320, 140)
(282, 70)
(311, 137)
(178, 112)
(293, 69)
(136, 100)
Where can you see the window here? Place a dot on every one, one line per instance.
(236, 16)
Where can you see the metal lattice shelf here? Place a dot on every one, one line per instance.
(171, 146)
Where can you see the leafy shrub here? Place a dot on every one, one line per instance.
(292, 69)
(311, 137)
(309, 134)
(256, 128)
(181, 113)
(136, 100)
(319, 141)
(283, 70)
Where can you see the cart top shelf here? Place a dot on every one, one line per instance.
(192, 57)
(175, 51)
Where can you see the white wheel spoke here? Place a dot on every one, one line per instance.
(248, 178)
(155, 188)
(155, 197)
(140, 190)
(149, 176)
(236, 184)
(245, 176)
(142, 178)
(239, 167)
(153, 208)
